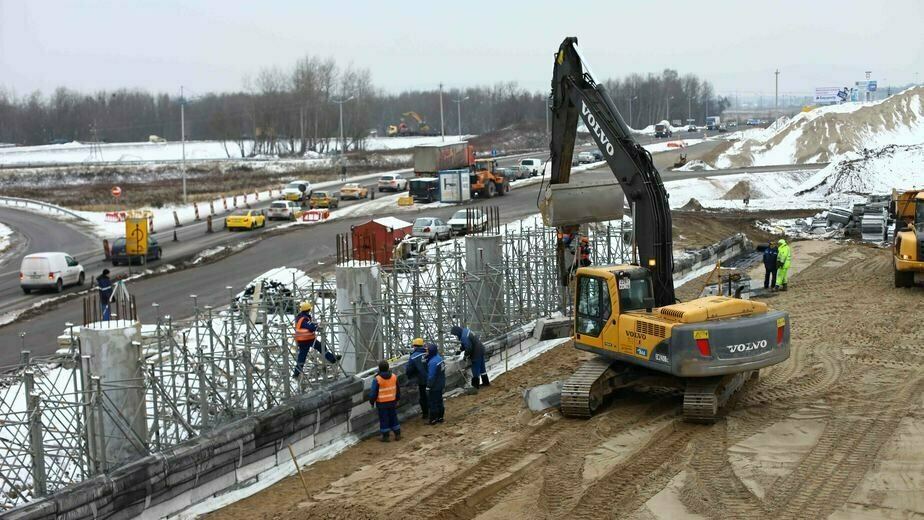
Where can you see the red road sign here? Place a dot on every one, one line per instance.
(116, 191)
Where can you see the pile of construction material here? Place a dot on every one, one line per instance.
(868, 221)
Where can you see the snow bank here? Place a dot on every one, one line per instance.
(824, 133)
(6, 236)
(868, 172)
(76, 152)
(694, 166)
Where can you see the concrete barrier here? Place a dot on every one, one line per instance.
(240, 458)
(703, 259)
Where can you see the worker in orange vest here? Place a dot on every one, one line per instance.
(306, 337)
(585, 252)
(383, 396)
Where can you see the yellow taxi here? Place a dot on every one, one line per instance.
(324, 199)
(245, 219)
(354, 190)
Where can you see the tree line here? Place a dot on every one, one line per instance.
(287, 112)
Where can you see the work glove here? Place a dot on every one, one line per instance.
(372, 403)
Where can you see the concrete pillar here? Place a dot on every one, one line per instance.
(360, 334)
(114, 350)
(484, 286)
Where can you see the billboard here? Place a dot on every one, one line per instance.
(831, 94)
(867, 86)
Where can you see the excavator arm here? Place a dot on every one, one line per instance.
(575, 93)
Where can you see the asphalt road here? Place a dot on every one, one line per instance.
(306, 248)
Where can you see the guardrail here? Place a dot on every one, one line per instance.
(26, 203)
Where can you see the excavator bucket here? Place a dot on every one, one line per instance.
(574, 204)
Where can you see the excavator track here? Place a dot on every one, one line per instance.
(704, 398)
(585, 390)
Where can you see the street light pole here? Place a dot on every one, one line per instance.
(183, 138)
(671, 98)
(442, 127)
(459, 107)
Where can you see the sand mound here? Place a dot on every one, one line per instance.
(824, 133)
(741, 190)
(869, 171)
(692, 205)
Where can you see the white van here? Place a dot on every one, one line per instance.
(49, 271)
(533, 166)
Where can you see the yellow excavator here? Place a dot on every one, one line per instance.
(423, 128)
(628, 314)
(907, 208)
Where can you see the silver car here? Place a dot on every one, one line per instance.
(432, 229)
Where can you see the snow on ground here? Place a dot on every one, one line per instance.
(869, 172)
(6, 236)
(671, 145)
(766, 191)
(826, 132)
(694, 166)
(76, 152)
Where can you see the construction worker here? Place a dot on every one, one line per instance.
(417, 371)
(565, 238)
(473, 350)
(585, 251)
(383, 396)
(436, 383)
(104, 285)
(783, 259)
(770, 260)
(306, 337)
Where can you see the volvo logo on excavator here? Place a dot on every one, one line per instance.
(595, 127)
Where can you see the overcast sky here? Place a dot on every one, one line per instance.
(212, 45)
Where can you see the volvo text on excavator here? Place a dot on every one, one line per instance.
(628, 314)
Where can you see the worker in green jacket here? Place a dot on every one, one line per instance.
(783, 259)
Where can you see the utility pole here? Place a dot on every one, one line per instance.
(548, 108)
(459, 107)
(776, 90)
(669, 99)
(183, 138)
(341, 102)
(690, 106)
(442, 127)
(630, 109)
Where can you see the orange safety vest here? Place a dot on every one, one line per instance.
(301, 333)
(388, 389)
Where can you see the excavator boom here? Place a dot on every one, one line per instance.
(575, 93)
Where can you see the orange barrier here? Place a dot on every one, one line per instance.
(315, 215)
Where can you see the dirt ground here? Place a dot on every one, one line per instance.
(834, 432)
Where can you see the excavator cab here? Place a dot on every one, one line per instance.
(602, 295)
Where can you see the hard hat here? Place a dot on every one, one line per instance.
(306, 306)
(418, 342)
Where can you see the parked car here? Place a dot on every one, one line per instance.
(585, 157)
(534, 166)
(283, 210)
(460, 223)
(392, 182)
(354, 190)
(245, 219)
(324, 199)
(298, 191)
(118, 254)
(432, 229)
(49, 271)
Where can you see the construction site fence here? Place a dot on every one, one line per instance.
(223, 364)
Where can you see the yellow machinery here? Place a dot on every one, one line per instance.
(907, 208)
(628, 314)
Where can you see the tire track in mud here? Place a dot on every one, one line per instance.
(563, 475)
(827, 476)
(628, 485)
(500, 474)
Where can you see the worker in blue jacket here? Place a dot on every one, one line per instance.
(383, 396)
(436, 382)
(417, 372)
(473, 349)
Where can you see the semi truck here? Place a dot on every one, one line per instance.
(430, 159)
